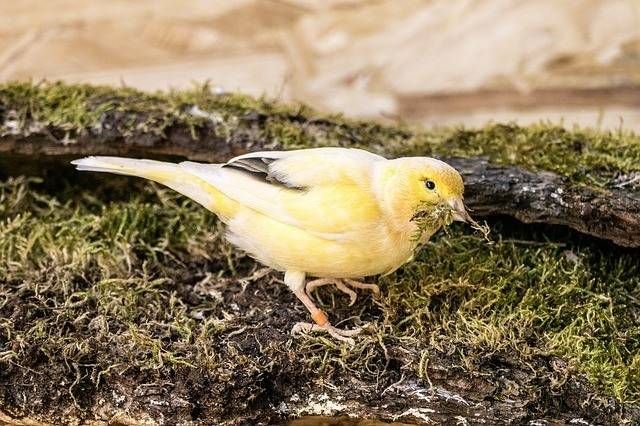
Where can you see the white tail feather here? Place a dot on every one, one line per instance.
(123, 166)
(169, 174)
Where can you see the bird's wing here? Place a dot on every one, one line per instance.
(306, 168)
(321, 190)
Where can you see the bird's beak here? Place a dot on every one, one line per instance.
(460, 213)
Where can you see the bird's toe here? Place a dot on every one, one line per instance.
(335, 332)
(363, 286)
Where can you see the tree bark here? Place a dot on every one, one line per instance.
(549, 198)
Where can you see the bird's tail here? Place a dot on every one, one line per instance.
(169, 174)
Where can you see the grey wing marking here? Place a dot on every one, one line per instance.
(258, 167)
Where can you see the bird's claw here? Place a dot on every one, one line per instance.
(342, 285)
(336, 333)
(363, 286)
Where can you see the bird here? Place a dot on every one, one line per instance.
(336, 215)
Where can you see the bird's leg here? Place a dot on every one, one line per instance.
(312, 285)
(343, 285)
(295, 281)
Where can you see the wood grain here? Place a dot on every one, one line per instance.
(435, 62)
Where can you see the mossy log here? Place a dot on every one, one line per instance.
(508, 170)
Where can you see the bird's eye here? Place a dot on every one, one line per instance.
(430, 184)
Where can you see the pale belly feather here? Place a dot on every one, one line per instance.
(288, 248)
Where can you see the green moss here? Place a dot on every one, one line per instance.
(105, 285)
(80, 109)
(57, 104)
(528, 298)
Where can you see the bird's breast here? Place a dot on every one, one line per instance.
(366, 251)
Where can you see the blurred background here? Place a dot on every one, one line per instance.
(428, 62)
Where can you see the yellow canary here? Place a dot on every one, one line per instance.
(336, 214)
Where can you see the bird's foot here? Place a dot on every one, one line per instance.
(363, 286)
(321, 321)
(336, 333)
(342, 285)
(312, 285)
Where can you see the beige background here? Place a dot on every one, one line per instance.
(431, 62)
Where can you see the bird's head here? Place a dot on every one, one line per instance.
(421, 191)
